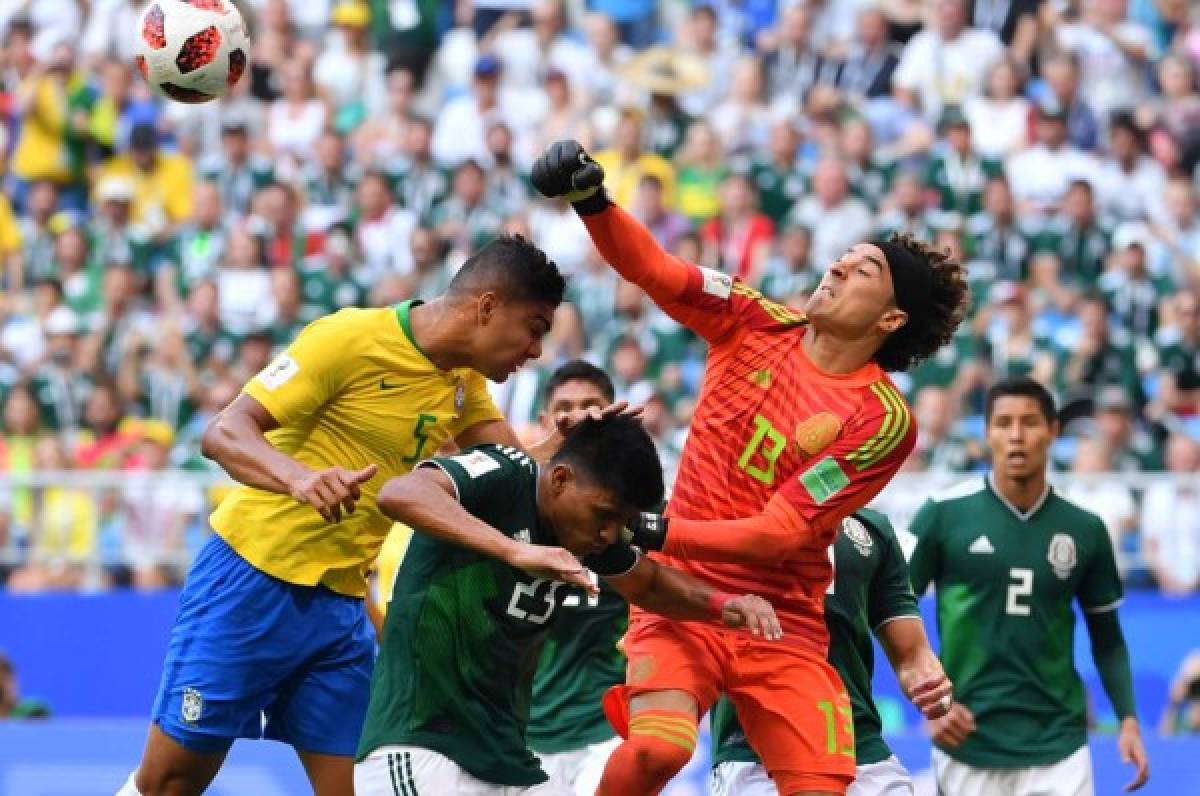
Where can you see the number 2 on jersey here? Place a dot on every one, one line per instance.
(1021, 586)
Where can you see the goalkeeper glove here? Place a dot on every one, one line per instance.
(648, 531)
(567, 170)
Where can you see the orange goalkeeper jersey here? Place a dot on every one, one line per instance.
(767, 422)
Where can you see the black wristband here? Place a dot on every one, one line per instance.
(596, 203)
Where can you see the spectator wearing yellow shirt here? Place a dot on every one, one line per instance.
(52, 103)
(625, 164)
(163, 182)
(11, 270)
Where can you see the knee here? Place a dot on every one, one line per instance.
(657, 760)
(166, 782)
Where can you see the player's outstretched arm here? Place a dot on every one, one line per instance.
(425, 499)
(676, 595)
(1112, 662)
(916, 666)
(566, 170)
(236, 440)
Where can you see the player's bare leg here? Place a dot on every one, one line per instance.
(168, 769)
(330, 775)
(662, 737)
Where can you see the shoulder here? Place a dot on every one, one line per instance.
(963, 490)
(486, 459)
(1077, 517)
(875, 523)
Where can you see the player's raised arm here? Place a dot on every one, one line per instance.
(431, 500)
(676, 595)
(700, 298)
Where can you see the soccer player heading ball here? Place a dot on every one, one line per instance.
(796, 427)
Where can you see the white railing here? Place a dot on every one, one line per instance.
(118, 516)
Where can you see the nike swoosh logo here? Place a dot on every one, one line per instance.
(383, 385)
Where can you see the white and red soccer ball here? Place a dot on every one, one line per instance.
(192, 50)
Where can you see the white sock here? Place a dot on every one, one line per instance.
(130, 788)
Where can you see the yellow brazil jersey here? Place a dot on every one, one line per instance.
(352, 390)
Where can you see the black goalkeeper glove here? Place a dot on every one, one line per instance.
(648, 531)
(567, 170)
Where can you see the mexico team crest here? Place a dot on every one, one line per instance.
(193, 705)
(1062, 555)
(815, 434)
(857, 533)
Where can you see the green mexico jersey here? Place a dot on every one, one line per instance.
(464, 631)
(580, 661)
(870, 588)
(1005, 583)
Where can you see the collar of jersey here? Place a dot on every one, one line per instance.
(865, 376)
(403, 310)
(1023, 516)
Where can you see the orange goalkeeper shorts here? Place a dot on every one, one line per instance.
(791, 703)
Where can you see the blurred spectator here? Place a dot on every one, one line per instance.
(699, 37)
(162, 182)
(1179, 359)
(1171, 521)
(738, 240)
(939, 447)
(837, 219)
(461, 128)
(157, 376)
(702, 168)
(1061, 75)
(12, 704)
(383, 230)
(742, 121)
(999, 118)
(1077, 235)
(1101, 354)
(348, 74)
(1130, 182)
(906, 210)
(1131, 290)
(1132, 448)
(527, 52)
(1113, 52)
(1182, 713)
(947, 63)
(417, 180)
(867, 71)
(996, 236)
(791, 64)
(333, 280)
(789, 276)
(381, 136)
(60, 387)
(295, 120)
(102, 444)
(111, 30)
(1177, 235)
(650, 208)
(328, 184)
(464, 219)
(237, 171)
(956, 170)
(625, 163)
(36, 231)
(1107, 497)
(507, 183)
(243, 285)
(1010, 346)
(1041, 174)
(193, 254)
(156, 509)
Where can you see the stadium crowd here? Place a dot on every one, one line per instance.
(154, 256)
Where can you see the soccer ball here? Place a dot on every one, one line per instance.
(192, 50)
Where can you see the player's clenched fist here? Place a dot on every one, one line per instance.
(753, 613)
(567, 170)
(952, 729)
(333, 490)
(551, 563)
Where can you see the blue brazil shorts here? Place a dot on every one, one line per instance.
(252, 656)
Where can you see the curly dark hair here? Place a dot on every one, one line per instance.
(947, 304)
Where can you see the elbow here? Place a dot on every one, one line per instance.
(395, 498)
(215, 440)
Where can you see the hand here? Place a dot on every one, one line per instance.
(566, 170)
(1132, 750)
(953, 728)
(648, 531)
(333, 490)
(565, 421)
(551, 563)
(753, 613)
(928, 688)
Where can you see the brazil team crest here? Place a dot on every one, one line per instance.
(460, 396)
(193, 705)
(857, 533)
(1062, 555)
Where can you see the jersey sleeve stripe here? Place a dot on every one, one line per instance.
(895, 618)
(895, 426)
(440, 466)
(1103, 609)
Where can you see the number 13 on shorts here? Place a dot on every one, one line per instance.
(839, 726)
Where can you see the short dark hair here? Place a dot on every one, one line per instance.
(1022, 386)
(514, 268)
(579, 370)
(944, 309)
(618, 455)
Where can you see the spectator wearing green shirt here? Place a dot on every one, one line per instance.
(777, 178)
(997, 236)
(1132, 291)
(1078, 236)
(12, 704)
(956, 171)
(1179, 359)
(1100, 355)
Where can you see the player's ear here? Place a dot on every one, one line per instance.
(561, 477)
(485, 307)
(892, 319)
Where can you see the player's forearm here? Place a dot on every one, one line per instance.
(767, 538)
(416, 501)
(903, 639)
(235, 442)
(631, 250)
(1111, 656)
(667, 592)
